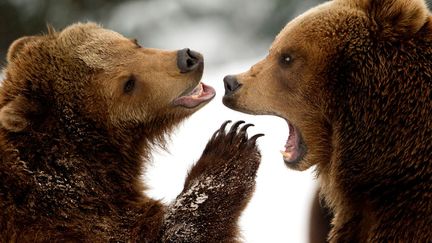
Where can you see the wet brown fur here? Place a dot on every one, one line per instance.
(359, 90)
(73, 145)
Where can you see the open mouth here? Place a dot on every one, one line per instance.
(295, 148)
(200, 94)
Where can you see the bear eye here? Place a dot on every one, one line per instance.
(286, 59)
(129, 85)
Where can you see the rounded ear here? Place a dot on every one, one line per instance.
(396, 18)
(17, 46)
(13, 114)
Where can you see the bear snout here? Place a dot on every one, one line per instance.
(231, 84)
(188, 60)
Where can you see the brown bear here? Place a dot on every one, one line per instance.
(80, 111)
(353, 80)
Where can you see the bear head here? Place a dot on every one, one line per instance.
(90, 79)
(317, 65)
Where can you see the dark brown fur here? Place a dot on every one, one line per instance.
(320, 220)
(359, 90)
(72, 146)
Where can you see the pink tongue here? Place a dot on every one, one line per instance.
(200, 94)
(292, 151)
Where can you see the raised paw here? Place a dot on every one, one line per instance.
(230, 154)
(216, 190)
(234, 140)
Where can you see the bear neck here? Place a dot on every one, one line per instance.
(380, 126)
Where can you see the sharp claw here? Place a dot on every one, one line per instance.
(235, 126)
(214, 135)
(253, 139)
(222, 128)
(245, 127)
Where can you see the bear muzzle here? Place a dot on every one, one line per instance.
(188, 60)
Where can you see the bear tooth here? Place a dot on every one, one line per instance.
(285, 154)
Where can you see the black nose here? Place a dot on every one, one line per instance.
(231, 84)
(188, 60)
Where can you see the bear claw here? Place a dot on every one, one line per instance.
(245, 127)
(253, 139)
(233, 131)
(235, 135)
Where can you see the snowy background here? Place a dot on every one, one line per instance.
(232, 35)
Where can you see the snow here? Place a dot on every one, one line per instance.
(195, 191)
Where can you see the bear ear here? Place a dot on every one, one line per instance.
(17, 46)
(396, 18)
(13, 115)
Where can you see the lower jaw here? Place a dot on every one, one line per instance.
(295, 139)
(197, 106)
(193, 103)
(299, 163)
